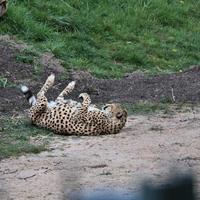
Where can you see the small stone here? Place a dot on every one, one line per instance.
(26, 174)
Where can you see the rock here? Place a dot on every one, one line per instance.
(3, 7)
(26, 174)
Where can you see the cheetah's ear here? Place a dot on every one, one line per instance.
(81, 96)
(119, 115)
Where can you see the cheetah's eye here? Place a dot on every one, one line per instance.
(119, 115)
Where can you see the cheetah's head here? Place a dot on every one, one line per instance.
(115, 111)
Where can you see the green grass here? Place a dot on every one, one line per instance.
(165, 107)
(145, 107)
(15, 137)
(27, 56)
(110, 38)
(4, 82)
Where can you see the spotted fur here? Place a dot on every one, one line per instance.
(71, 117)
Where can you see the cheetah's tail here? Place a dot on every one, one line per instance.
(28, 94)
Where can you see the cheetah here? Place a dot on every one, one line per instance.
(69, 117)
(3, 7)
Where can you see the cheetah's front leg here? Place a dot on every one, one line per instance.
(86, 102)
(81, 115)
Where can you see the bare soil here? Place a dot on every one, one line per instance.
(149, 146)
(184, 86)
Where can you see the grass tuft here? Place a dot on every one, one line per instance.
(15, 137)
(145, 107)
(5, 83)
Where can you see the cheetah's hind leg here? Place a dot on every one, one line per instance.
(48, 84)
(39, 107)
(66, 91)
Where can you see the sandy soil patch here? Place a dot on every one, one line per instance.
(148, 147)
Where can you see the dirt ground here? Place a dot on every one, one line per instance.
(148, 147)
(184, 86)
